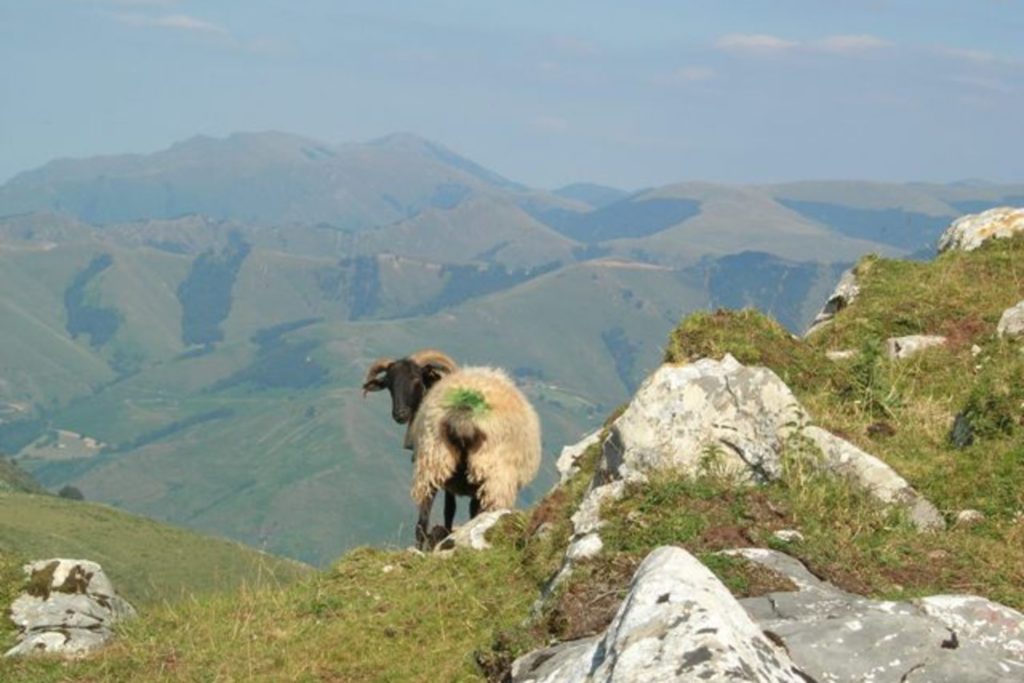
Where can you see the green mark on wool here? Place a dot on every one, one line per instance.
(469, 399)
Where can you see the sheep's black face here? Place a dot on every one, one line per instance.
(407, 382)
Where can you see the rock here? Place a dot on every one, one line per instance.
(843, 295)
(69, 608)
(976, 350)
(788, 536)
(839, 637)
(718, 413)
(875, 476)
(966, 518)
(844, 354)
(905, 347)
(677, 623)
(1011, 322)
(971, 231)
(473, 533)
(567, 464)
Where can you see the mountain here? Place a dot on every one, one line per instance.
(805, 554)
(203, 369)
(256, 177)
(592, 194)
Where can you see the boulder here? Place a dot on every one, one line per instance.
(843, 295)
(971, 231)
(69, 608)
(839, 637)
(905, 347)
(677, 623)
(706, 413)
(1011, 322)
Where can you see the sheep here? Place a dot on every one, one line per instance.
(473, 434)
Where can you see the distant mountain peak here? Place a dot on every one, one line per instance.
(412, 142)
(594, 194)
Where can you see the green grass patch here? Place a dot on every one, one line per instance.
(148, 562)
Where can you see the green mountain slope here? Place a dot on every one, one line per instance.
(148, 561)
(389, 607)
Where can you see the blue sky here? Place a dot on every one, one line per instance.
(546, 93)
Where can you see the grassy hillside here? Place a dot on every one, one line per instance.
(148, 562)
(405, 617)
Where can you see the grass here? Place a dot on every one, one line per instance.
(387, 615)
(376, 615)
(149, 562)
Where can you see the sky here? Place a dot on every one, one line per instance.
(547, 93)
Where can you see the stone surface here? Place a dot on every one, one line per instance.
(971, 231)
(843, 295)
(838, 637)
(788, 536)
(1011, 323)
(472, 534)
(567, 464)
(842, 354)
(69, 609)
(677, 623)
(874, 475)
(966, 518)
(905, 347)
(719, 413)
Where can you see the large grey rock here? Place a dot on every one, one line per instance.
(843, 295)
(872, 474)
(69, 609)
(1011, 322)
(677, 623)
(898, 348)
(971, 231)
(685, 417)
(839, 637)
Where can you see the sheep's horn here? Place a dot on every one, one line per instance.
(425, 357)
(378, 366)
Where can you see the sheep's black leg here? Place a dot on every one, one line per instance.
(423, 523)
(449, 510)
(474, 507)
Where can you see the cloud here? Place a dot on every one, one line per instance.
(754, 42)
(177, 22)
(767, 44)
(686, 74)
(846, 44)
(974, 56)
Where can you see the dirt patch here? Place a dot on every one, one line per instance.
(589, 601)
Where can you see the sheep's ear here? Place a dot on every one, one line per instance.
(373, 385)
(431, 374)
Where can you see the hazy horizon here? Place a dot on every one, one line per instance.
(631, 97)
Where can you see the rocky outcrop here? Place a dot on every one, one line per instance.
(69, 609)
(971, 231)
(898, 348)
(1011, 322)
(839, 637)
(843, 295)
(720, 413)
(735, 419)
(678, 623)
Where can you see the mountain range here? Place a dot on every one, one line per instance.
(186, 331)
